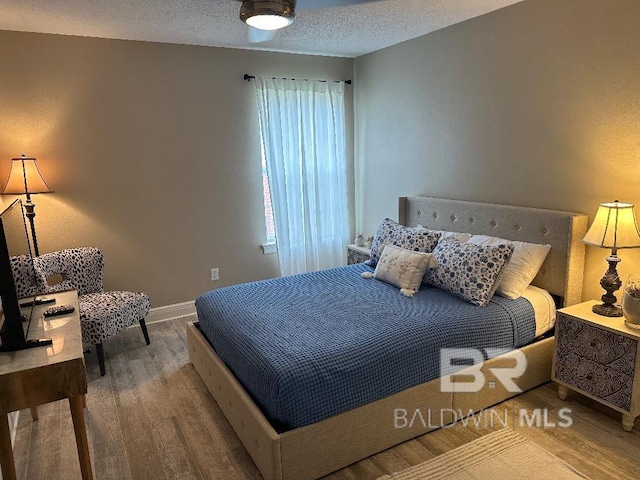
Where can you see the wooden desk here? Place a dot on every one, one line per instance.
(45, 374)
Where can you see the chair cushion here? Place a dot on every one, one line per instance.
(104, 314)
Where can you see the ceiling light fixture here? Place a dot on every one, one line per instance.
(268, 15)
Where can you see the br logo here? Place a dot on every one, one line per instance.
(468, 362)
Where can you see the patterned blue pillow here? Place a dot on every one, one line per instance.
(410, 238)
(472, 272)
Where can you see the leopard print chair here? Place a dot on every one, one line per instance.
(26, 282)
(102, 314)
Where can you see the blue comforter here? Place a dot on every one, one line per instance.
(309, 346)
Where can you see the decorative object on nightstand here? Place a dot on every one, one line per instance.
(356, 254)
(614, 227)
(25, 178)
(631, 301)
(369, 242)
(359, 241)
(598, 357)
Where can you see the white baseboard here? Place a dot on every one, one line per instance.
(168, 312)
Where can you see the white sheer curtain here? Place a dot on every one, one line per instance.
(303, 134)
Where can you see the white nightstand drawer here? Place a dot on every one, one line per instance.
(598, 357)
(605, 348)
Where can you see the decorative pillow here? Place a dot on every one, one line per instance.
(410, 238)
(525, 262)
(472, 272)
(402, 268)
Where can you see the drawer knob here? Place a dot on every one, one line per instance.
(589, 377)
(593, 343)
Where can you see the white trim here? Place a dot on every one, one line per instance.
(168, 312)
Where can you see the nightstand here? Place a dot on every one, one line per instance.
(357, 254)
(598, 357)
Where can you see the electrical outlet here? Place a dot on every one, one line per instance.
(214, 274)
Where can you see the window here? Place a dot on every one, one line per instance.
(302, 128)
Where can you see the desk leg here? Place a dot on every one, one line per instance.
(80, 429)
(6, 452)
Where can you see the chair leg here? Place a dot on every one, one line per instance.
(143, 325)
(100, 352)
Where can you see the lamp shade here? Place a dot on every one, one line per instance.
(25, 177)
(615, 226)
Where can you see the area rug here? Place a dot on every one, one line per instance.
(503, 454)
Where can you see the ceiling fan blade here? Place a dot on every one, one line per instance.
(255, 35)
(315, 4)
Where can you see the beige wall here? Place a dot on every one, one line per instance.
(153, 153)
(153, 150)
(537, 104)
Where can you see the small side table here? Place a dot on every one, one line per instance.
(598, 357)
(357, 254)
(45, 374)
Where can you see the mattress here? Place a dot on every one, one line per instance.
(310, 346)
(544, 308)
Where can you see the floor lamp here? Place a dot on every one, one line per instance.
(25, 178)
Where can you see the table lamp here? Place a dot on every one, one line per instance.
(25, 178)
(614, 227)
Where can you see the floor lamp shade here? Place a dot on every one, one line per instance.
(25, 179)
(615, 226)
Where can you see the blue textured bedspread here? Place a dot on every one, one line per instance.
(309, 346)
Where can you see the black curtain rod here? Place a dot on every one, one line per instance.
(248, 78)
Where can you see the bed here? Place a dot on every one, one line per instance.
(308, 447)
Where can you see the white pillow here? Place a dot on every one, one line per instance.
(402, 268)
(462, 237)
(525, 262)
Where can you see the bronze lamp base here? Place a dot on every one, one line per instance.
(607, 310)
(610, 282)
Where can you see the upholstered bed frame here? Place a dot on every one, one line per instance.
(315, 450)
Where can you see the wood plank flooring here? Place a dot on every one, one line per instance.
(151, 417)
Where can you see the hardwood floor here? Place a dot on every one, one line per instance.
(152, 417)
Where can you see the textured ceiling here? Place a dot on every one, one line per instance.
(339, 31)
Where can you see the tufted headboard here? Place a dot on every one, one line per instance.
(560, 274)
